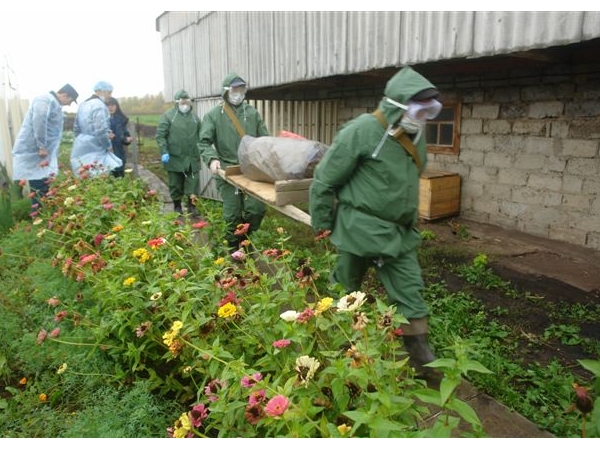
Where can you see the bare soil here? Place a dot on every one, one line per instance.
(557, 280)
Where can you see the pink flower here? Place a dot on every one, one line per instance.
(201, 224)
(107, 206)
(54, 333)
(241, 229)
(277, 406)
(180, 274)
(238, 255)
(60, 315)
(305, 316)
(98, 239)
(248, 382)
(41, 337)
(281, 343)
(53, 301)
(198, 413)
(256, 397)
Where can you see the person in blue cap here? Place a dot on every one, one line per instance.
(92, 148)
(35, 153)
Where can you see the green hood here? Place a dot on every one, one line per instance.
(227, 81)
(401, 87)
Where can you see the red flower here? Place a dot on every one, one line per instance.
(241, 229)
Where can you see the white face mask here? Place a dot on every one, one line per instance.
(235, 98)
(184, 108)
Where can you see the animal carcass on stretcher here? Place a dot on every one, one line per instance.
(276, 170)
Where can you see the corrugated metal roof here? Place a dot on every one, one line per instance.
(274, 48)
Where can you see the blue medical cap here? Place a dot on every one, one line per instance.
(103, 86)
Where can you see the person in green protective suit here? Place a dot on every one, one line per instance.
(222, 130)
(177, 137)
(365, 192)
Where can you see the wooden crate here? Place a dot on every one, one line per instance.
(439, 194)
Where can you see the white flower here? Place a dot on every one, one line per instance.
(37, 221)
(352, 301)
(306, 366)
(290, 315)
(68, 201)
(72, 187)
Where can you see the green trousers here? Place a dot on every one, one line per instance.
(401, 278)
(239, 208)
(183, 184)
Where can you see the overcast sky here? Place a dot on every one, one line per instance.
(47, 48)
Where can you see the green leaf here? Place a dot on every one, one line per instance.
(465, 410)
(447, 386)
(475, 366)
(591, 365)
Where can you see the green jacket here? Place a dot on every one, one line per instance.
(177, 135)
(377, 192)
(218, 136)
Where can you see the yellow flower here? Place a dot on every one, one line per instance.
(43, 397)
(117, 228)
(219, 261)
(182, 426)
(62, 368)
(170, 335)
(68, 201)
(168, 338)
(227, 310)
(323, 305)
(142, 255)
(343, 429)
(23, 381)
(129, 281)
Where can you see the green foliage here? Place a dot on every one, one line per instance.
(146, 312)
(479, 274)
(131, 296)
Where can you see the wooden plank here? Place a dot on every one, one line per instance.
(266, 193)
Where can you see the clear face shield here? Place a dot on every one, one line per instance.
(419, 110)
(236, 94)
(417, 113)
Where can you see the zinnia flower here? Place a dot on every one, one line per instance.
(323, 305)
(352, 301)
(281, 343)
(41, 337)
(128, 281)
(248, 382)
(241, 229)
(53, 301)
(198, 413)
(277, 406)
(289, 316)
(227, 310)
(306, 366)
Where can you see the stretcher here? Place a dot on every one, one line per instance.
(279, 195)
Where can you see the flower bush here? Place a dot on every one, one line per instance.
(256, 343)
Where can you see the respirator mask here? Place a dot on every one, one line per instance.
(417, 114)
(236, 94)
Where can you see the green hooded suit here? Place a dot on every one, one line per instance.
(177, 134)
(220, 140)
(366, 191)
